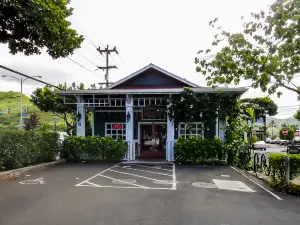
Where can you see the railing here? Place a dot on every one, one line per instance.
(105, 102)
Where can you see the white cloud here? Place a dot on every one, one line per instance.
(167, 33)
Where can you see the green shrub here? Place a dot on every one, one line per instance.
(198, 149)
(290, 188)
(277, 166)
(103, 148)
(23, 148)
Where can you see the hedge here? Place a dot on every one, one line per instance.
(291, 188)
(277, 166)
(198, 149)
(101, 148)
(23, 148)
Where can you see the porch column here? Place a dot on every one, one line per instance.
(170, 138)
(222, 129)
(217, 127)
(129, 126)
(93, 122)
(81, 120)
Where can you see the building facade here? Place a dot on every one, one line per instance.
(134, 109)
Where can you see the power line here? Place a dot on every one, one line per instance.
(88, 59)
(82, 66)
(29, 77)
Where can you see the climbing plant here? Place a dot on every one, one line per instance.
(189, 107)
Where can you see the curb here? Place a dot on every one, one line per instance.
(254, 177)
(16, 172)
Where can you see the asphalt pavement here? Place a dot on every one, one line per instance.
(147, 194)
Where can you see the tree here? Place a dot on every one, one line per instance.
(29, 26)
(48, 101)
(272, 124)
(289, 136)
(297, 115)
(262, 106)
(267, 51)
(32, 123)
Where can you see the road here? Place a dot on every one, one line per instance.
(147, 194)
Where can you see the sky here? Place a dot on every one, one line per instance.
(166, 33)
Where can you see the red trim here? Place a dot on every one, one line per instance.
(149, 87)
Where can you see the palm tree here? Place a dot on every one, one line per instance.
(272, 124)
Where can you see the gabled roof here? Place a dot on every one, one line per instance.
(152, 66)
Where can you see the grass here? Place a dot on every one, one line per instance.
(12, 100)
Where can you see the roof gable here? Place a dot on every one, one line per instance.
(152, 76)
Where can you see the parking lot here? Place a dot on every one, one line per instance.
(139, 193)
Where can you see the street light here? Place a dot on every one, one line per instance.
(21, 80)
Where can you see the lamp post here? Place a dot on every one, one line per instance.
(21, 80)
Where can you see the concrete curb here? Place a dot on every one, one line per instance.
(16, 172)
(254, 177)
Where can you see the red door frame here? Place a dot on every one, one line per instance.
(154, 153)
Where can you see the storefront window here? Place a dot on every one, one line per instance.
(115, 130)
(192, 129)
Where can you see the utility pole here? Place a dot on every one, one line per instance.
(107, 51)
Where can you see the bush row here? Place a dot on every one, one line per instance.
(291, 188)
(102, 148)
(198, 149)
(277, 166)
(23, 148)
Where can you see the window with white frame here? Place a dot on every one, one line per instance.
(115, 130)
(191, 129)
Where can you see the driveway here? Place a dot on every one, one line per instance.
(141, 194)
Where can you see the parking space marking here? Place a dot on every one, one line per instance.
(148, 178)
(122, 181)
(270, 192)
(174, 186)
(129, 185)
(77, 185)
(151, 167)
(146, 171)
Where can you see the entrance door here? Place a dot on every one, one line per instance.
(153, 140)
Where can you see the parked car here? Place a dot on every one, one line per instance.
(294, 146)
(268, 140)
(260, 145)
(284, 142)
(277, 140)
(272, 141)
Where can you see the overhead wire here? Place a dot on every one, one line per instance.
(82, 66)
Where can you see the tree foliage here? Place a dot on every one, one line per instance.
(32, 123)
(29, 26)
(272, 124)
(267, 51)
(262, 106)
(289, 136)
(48, 101)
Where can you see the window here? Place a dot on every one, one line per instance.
(115, 130)
(192, 129)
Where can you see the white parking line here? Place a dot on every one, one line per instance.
(174, 186)
(135, 175)
(274, 195)
(96, 175)
(151, 167)
(122, 181)
(146, 171)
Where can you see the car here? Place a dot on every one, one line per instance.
(294, 146)
(268, 140)
(272, 141)
(277, 140)
(260, 145)
(284, 142)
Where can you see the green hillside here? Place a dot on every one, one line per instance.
(12, 100)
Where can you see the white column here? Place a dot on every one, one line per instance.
(217, 127)
(93, 122)
(129, 125)
(170, 138)
(81, 120)
(222, 129)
